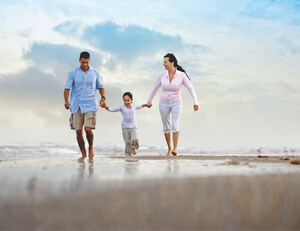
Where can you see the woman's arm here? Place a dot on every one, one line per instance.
(157, 85)
(187, 83)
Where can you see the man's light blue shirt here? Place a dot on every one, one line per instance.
(84, 88)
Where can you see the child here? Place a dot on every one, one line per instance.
(129, 124)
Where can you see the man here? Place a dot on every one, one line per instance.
(84, 82)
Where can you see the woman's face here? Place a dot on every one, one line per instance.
(167, 64)
(127, 100)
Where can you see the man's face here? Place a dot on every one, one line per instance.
(84, 64)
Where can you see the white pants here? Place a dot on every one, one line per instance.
(166, 109)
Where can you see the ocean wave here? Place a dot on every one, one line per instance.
(48, 150)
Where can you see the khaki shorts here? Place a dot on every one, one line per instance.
(78, 120)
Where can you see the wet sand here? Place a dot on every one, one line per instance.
(151, 193)
(252, 158)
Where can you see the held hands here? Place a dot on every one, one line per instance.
(103, 103)
(196, 107)
(147, 105)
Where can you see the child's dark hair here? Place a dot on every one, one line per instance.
(128, 94)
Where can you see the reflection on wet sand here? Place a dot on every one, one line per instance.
(131, 167)
(150, 193)
(82, 166)
(172, 166)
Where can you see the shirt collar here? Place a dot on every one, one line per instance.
(90, 68)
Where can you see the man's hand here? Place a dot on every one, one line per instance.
(196, 107)
(66, 96)
(102, 103)
(67, 105)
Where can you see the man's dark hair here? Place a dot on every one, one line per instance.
(84, 55)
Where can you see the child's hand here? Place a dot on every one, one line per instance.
(106, 108)
(148, 105)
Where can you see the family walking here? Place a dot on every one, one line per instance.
(84, 81)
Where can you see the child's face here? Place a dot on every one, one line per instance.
(127, 100)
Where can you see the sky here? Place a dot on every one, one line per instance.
(242, 56)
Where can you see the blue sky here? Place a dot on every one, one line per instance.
(243, 58)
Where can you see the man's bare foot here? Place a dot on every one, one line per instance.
(91, 152)
(81, 159)
(133, 151)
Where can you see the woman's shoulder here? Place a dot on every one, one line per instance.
(181, 73)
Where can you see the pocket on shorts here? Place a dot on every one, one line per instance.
(90, 119)
(71, 121)
(94, 118)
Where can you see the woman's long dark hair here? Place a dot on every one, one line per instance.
(172, 59)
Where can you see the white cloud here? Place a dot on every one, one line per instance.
(243, 58)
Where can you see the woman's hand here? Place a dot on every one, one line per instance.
(196, 107)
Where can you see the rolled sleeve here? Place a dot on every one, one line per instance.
(99, 81)
(70, 80)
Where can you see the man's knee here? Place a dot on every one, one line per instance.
(88, 130)
(79, 133)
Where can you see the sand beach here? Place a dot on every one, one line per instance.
(186, 192)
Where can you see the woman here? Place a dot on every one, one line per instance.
(171, 81)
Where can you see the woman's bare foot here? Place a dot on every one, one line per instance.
(134, 151)
(169, 153)
(91, 152)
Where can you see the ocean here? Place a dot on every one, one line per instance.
(10, 152)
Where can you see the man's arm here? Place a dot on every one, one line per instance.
(103, 99)
(66, 96)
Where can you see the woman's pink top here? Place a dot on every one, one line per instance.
(171, 90)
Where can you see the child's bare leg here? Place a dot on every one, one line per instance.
(135, 145)
(134, 151)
